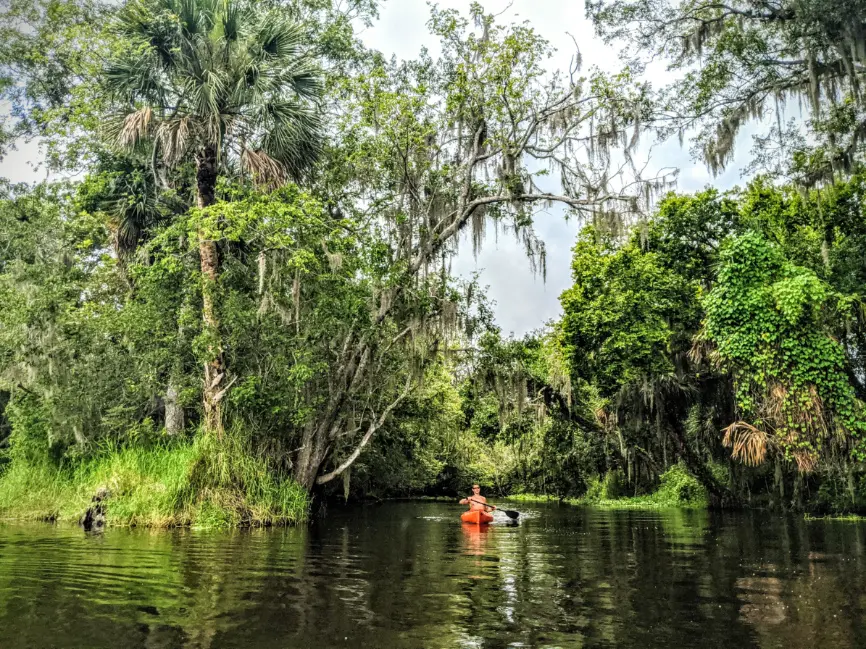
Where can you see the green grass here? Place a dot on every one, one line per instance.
(677, 489)
(205, 483)
(537, 498)
(836, 517)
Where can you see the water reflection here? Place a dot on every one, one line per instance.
(411, 575)
(475, 538)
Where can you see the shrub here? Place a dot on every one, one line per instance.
(678, 488)
(611, 486)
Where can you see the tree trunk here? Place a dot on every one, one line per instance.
(779, 479)
(797, 496)
(214, 370)
(311, 456)
(174, 418)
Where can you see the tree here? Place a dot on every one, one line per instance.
(431, 148)
(537, 428)
(51, 52)
(82, 364)
(625, 315)
(627, 326)
(740, 58)
(216, 83)
(767, 318)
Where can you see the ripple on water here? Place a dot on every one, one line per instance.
(410, 575)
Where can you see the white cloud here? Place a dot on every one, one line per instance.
(20, 164)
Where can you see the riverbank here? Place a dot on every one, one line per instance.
(191, 484)
(677, 489)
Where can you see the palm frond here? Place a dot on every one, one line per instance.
(136, 127)
(292, 135)
(131, 203)
(806, 460)
(300, 77)
(135, 19)
(231, 22)
(748, 444)
(277, 39)
(196, 17)
(703, 350)
(135, 76)
(266, 171)
(144, 22)
(175, 137)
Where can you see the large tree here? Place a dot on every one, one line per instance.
(433, 148)
(216, 83)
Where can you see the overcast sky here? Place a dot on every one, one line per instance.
(523, 301)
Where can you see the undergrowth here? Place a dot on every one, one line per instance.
(677, 489)
(535, 498)
(205, 483)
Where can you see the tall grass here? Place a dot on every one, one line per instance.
(205, 483)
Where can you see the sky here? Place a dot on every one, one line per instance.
(523, 301)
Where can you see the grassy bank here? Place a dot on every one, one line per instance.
(677, 489)
(202, 484)
(853, 518)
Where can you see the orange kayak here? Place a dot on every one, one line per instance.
(476, 516)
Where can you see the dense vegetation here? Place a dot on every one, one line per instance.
(245, 299)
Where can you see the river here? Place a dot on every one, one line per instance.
(409, 575)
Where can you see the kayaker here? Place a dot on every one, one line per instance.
(476, 501)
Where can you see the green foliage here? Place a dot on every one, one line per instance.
(67, 359)
(161, 486)
(419, 450)
(624, 313)
(686, 233)
(610, 486)
(767, 318)
(677, 489)
(531, 428)
(227, 75)
(343, 348)
(51, 52)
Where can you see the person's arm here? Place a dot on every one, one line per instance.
(464, 501)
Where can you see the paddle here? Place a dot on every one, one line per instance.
(508, 512)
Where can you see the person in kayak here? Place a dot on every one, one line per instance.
(476, 501)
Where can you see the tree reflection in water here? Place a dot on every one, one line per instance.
(408, 575)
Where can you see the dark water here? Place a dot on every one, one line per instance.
(409, 575)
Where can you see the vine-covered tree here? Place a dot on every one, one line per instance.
(768, 320)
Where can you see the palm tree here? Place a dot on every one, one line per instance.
(216, 82)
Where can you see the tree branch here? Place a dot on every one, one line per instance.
(374, 426)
